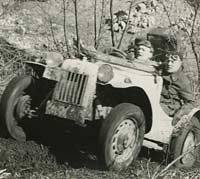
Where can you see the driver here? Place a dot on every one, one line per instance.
(143, 52)
(177, 98)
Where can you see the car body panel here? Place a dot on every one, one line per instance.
(152, 86)
(124, 77)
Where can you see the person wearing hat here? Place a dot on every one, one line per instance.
(142, 51)
(177, 98)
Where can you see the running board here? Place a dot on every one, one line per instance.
(152, 145)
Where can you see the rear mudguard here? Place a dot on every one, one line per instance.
(175, 130)
(185, 120)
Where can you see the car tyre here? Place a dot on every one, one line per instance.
(121, 136)
(188, 138)
(13, 100)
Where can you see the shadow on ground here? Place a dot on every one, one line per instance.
(153, 155)
(73, 145)
(70, 144)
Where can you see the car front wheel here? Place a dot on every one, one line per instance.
(121, 136)
(15, 105)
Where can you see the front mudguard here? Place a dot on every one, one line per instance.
(185, 120)
(34, 68)
(42, 88)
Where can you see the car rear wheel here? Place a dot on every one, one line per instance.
(121, 136)
(186, 144)
(16, 105)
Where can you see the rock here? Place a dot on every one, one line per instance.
(20, 29)
(115, 18)
(5, 3)
(148, 11)
(154, 3)
(143, 22)
(122, 25)
(159, 9)
(132, 29)
(142, 7)
(116, 27)
(151, 21)
(1, 10)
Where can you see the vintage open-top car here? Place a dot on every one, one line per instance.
(123, 95)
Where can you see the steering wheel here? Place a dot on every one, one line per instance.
(117, 53)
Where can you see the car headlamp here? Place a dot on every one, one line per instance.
(105, 73)
(53, 59)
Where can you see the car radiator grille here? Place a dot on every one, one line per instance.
(71, 88)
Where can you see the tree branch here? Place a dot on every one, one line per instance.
(133, 3)
(95, 23)
(64, 28)
(102, 21)
(168, 16)
(111, 19)
(162, 172)
(191, 37)
(76, 25)
(51, 26)
(125, 29)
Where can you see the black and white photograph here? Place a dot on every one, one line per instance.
(99, 89)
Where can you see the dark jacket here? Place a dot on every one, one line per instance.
(177, 94)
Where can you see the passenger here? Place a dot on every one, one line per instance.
(177, 98)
